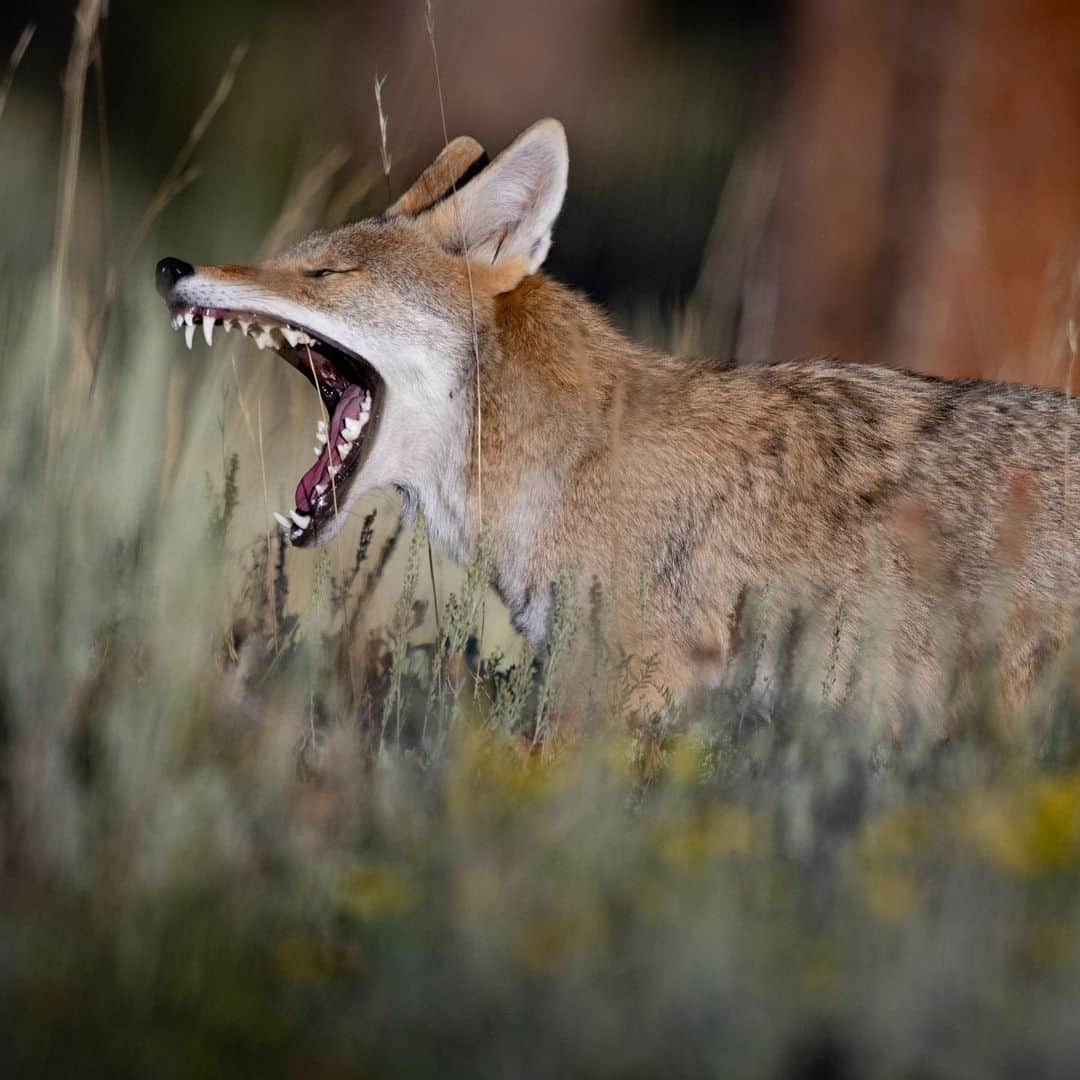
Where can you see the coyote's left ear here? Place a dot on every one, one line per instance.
(460, 160)
(504, 215)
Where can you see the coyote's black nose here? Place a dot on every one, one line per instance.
(169, 272)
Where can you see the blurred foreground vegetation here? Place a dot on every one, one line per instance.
(254, 820)
(241, 835)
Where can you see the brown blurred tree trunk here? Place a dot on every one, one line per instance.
(927, 207)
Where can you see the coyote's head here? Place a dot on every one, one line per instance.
(383, 317)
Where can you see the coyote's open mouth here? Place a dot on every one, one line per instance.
(351, 392)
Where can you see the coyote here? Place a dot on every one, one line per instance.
(450, 367)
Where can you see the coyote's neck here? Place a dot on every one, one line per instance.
(560, 390)
(555, 378)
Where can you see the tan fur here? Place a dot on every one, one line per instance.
(910, 522)
(823, 482)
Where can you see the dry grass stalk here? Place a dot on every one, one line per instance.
(17, 55)
(104, 157)
(383, 145)
(384, 150)
(87, 17)
(429, 21)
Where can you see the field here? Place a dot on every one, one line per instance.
(267, 812)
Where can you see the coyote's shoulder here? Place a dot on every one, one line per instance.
(938, 517)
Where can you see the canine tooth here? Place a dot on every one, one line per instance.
(189, 333)
(283, 521)
(208, 329)
(301, 519)
(189, 318)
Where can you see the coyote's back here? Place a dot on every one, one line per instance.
(910, 526)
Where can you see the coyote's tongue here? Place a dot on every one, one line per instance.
(348, 408)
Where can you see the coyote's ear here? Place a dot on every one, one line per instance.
(458, 162)
(504, 216)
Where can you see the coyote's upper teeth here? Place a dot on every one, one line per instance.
(177, 322)
(291, 336)
(189, 333)
(208, 329)
(352, 428)
(228, 324)
(245, 326)
(343, 448)
(302, 520)
(264, 339)
(282, 520)
(320, 488)
(333, 470)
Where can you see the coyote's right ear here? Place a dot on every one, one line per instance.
(503, 217)
(458, 162)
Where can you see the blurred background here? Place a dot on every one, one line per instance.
(895, 183)
(248, 817)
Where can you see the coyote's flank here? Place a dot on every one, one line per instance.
(934, 512)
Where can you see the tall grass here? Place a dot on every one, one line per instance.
(248, 826)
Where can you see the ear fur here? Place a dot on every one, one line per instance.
(503, 216)
(456, 163)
